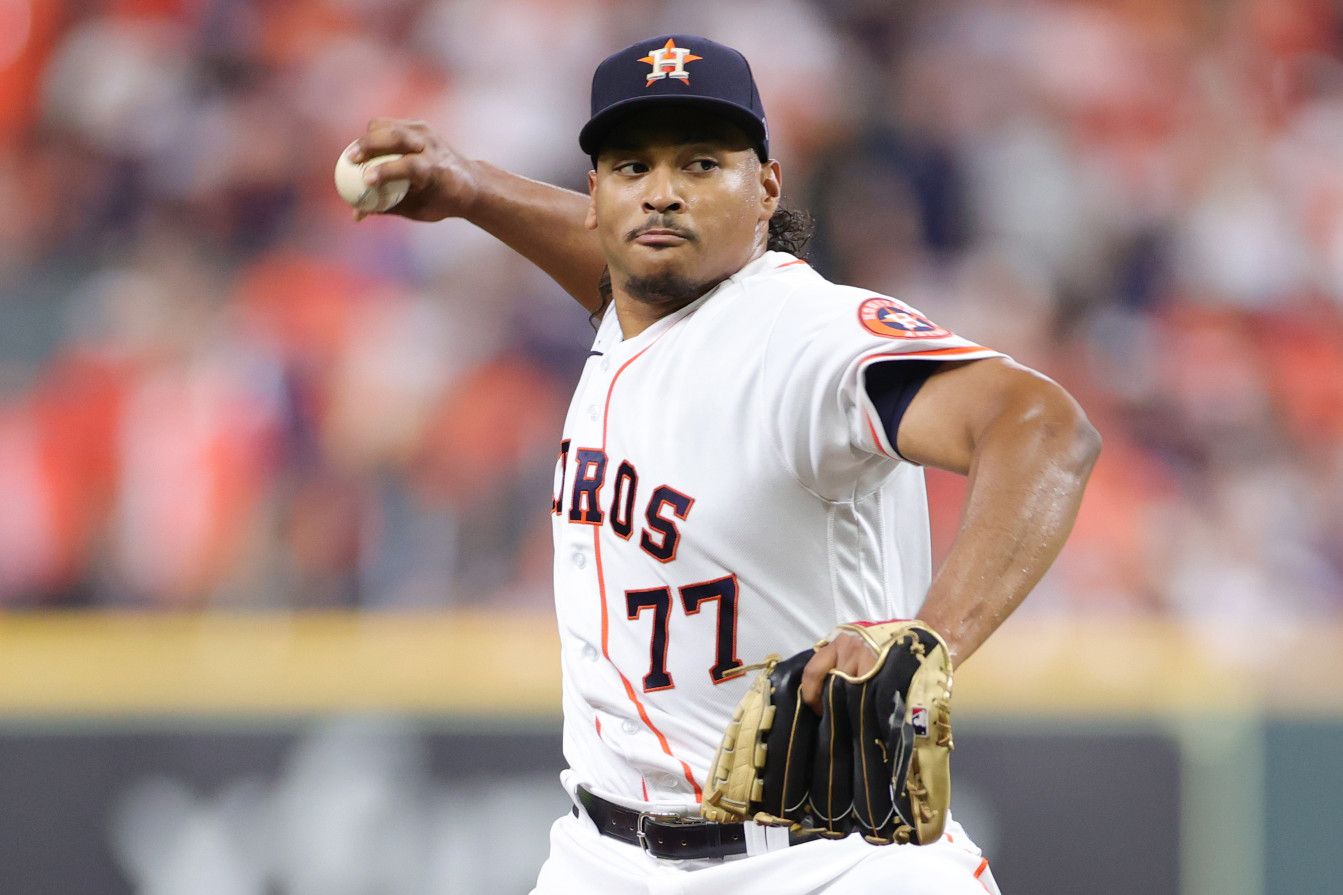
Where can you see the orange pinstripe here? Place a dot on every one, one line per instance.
(936, 352)
(601, 586)
(983, 865)
(876, 438)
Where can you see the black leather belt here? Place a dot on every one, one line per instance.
(666, 836)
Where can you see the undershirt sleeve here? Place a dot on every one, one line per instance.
(892, 385)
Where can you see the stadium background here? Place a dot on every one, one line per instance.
(274, 556)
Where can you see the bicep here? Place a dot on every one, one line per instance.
(958, 405)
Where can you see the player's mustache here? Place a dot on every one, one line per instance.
(659, 222)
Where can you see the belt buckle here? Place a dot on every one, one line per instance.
(670, 819)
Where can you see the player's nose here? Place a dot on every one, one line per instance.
(660, 192)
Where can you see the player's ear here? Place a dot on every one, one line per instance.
(771, 188)
(590, 221)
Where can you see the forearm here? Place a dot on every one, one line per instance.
(543, 223)
(1025, 486)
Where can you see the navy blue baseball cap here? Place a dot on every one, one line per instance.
(675, 69)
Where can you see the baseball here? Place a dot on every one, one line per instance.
(368, 199)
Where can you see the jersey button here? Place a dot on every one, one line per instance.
(605, 364)
(593, 413)
(590, 652)
(580, 560)
(629, 727)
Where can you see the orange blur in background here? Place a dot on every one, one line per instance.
(218, 392)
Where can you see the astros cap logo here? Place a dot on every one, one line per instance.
(669, 62)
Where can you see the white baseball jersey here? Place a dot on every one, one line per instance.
(726, 490)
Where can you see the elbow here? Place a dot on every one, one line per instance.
(1085, 447)
(1052, 426)
(1072, 439)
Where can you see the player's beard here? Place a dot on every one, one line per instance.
(667, 287)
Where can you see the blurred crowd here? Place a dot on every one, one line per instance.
(217, 391)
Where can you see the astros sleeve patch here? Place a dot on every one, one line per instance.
(892, 319)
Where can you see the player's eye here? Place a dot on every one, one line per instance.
(630, 168)
(700, 165)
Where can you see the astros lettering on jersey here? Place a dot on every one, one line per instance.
(725, 489)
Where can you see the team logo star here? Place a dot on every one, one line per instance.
(669, 62)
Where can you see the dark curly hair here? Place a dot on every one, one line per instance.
(790, 229)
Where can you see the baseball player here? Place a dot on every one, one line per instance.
(740, 471)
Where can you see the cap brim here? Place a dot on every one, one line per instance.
(594, 133)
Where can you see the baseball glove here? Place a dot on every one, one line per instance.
(876, 761)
